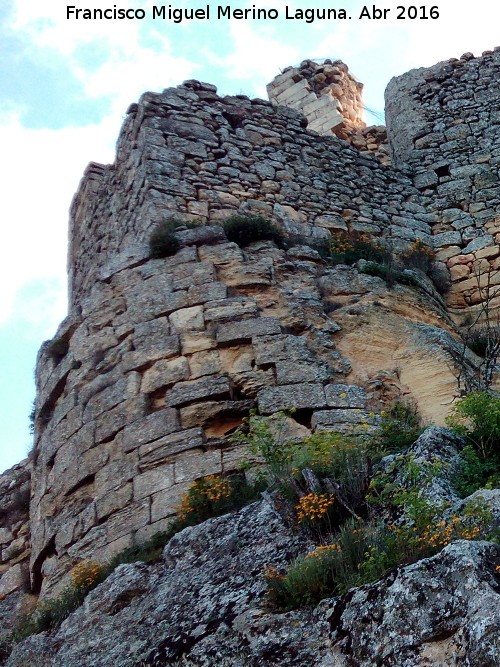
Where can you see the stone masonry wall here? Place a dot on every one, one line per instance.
(160, 360)
(443, 124)
(187, 151)
(331, 100)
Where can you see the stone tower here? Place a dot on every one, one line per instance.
(160, 360)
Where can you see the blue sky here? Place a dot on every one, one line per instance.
(66, 84)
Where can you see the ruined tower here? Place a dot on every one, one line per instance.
(159, 360)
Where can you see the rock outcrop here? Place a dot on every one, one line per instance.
(204, 604)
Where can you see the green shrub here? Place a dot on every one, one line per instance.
(362, 552)
(399, 428)
(418, 256)
(477, 418)
(245, 229)
(387, 272)
(349, 248)
(162, 241)
(475, 473)
(213, 496)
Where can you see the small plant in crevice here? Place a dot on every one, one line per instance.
(214, 495)
(162, 241)
(246, 229)
(386, 271)
(50, 613)
(418, 256)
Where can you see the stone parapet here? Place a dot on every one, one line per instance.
(189, 153)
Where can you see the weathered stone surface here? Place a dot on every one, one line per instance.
(150, 428)
(164, 373)
(439, 611)
(239, 331)
(273, 399)
(214, 326)
(185, 392)
(345, 396)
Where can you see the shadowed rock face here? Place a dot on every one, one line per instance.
(204, 604)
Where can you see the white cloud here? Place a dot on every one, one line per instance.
(39, 172)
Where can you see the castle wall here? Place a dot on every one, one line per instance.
(159, 360)
(188, 152)
(443, 124)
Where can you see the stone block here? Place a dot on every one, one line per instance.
(447, 253)
(129, 519)
(350, 418)
(197, 341)
(115, 500)
(137, 359)
(247, 329)
(230, 309)
(153, 480)
(286, 347)
(147, 303)
(345, 396)
(446, 239)
(193, 273)
(164, 373)
(191, 390)
(165, 449)
(188, 319)
(165, 504)
(291, 372)
(150, 428)
(199, 414)
(204, 363)
(227, 253)
(198, 294)
(193, 464)
(272, 399)
(459, 272)
(425, 179)
(246, 275)
(114, 420)
(478, 243)
(115, 473)
(151, 334)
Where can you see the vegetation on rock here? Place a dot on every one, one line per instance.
(245, 229)
(162, 241)
(476, 417)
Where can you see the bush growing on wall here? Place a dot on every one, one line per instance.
(163, 242)
(245, 229)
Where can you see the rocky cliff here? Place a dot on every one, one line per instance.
(160, 360)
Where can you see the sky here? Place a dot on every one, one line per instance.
(65, 85)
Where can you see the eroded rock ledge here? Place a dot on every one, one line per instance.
(204, 604)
